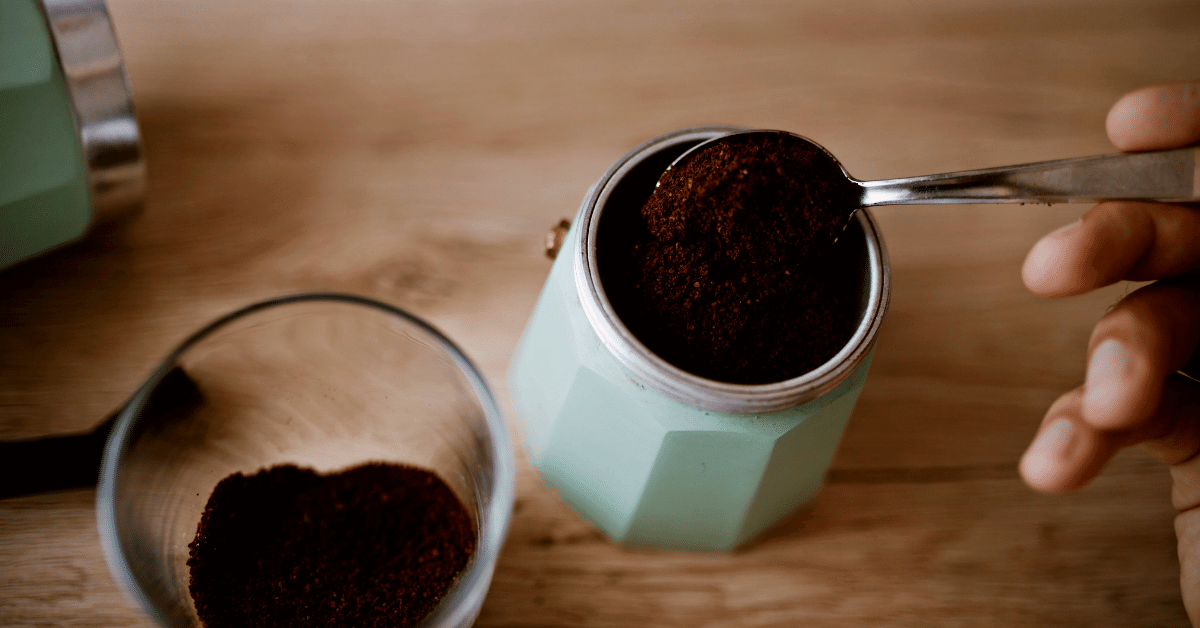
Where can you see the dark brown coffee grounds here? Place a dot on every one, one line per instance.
(376, 545)
(731, 272)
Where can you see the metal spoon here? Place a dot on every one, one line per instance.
(1171, 176)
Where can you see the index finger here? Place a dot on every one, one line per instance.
(1156, 118)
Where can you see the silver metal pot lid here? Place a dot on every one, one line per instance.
(101, 102)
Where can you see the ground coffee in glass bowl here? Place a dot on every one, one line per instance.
(375, 545)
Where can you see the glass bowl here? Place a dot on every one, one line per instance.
(325, 381)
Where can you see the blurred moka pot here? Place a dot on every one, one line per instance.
(70, 151)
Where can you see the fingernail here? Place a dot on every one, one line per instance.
(1109, 369)
(1065, 228)
(1050, 454)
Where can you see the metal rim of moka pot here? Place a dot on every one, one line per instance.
(101, 104)
(686, 387)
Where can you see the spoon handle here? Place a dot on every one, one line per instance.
(1168, 176)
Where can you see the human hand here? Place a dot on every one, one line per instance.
(1132, 393)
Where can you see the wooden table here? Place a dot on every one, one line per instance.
(417, 152)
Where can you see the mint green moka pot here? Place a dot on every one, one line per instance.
(652, 454)
(70, 152)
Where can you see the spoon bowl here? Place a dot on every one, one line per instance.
(738, 187)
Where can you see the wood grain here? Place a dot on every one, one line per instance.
(418, 151)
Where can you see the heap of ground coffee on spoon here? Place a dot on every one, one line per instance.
(376, 545)
(732, 273)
